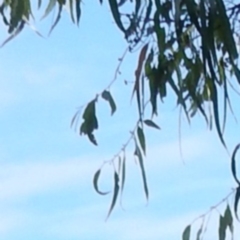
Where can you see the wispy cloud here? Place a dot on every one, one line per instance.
(24, 180)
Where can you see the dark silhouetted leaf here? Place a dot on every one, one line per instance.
(138, 71)
(95, 183)
(222, 228)
(78, 10)
(186, 233)
(236, 200)
(92, 138)
(116, 14)
(199, 232)
(150, 123)
(115, 193)
(123, 173)
(106, 95)
(140, 159)
(228, 218)
(141, 139)
(233, 164)
(90, 122)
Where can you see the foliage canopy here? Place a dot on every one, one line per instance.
(187, 46)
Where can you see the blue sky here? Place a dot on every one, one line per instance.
(46, 169)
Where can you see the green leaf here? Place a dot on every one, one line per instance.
(50, 7)
(95, 183)
(186, 233)
(214, 99)
(106, 95)
(140, 159)
(233, 164)
(141, 139)
(116, 14)
(150, 123)
(90, 122)
(236, 200)
(222, 228)
(138, 71)
(228, 218)
(229, 41)
(115, 193)
(123, 176)
(199, 232)
(92, 138)
(71, 10)
(14, 34)
(56, 20)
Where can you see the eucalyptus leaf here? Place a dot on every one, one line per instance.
(186, 233)
(106, 95)
(115, 193)
(95, 183)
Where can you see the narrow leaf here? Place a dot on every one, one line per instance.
(71, 10)
(222, 228)
(116, 14)
(186, 233)
(49, 8)
(150, 123)
(78, 10)
(199, 232)
(56, 20)
(236, 200)
(140, 159)
(95, 183)
(14, 34)
(141, 139)
(92, 138)
(228, 218)
(214, 99)
(106, 95)
(138, 71)
(123, 173)
(115, 193)
(233, 164)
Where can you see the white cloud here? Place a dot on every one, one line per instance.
(23, 180)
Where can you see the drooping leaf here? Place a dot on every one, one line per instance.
(106, 95)
(236, 200)
(14, 34)
(233, 164)
(186, 233)
(150, 123)
(39, 3)
(199, 232)
(56, 20)
(50, 7)
(141, 139)
(71, 10)
(138, 71)
(92, 138)
(90, 122)
(116, 14)
(140, 159)
(229, 41)
(123, 176)
(228, 218)
(222, 228)
(78, 10)
(95, 183)
(115, 193)
(214, 99)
